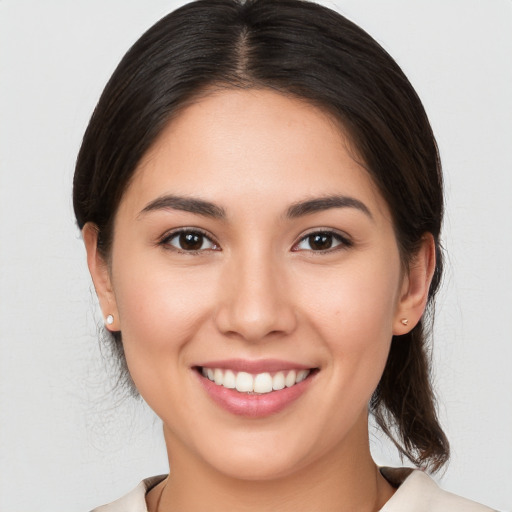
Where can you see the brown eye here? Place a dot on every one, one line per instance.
(322, 241)
(190, 241)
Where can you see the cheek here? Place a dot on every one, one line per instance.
(157, 298)
(160, 309)
(354, 312)
(355, 297)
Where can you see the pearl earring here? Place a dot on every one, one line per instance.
(404, 321)
(110, 319)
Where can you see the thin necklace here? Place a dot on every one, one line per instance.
(160, 497)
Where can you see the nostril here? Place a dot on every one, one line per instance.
(254, 324)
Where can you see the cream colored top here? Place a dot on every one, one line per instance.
(416, 492)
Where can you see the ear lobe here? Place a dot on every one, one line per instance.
(100, 274)
(415, 287)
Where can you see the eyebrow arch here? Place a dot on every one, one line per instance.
(185, 204)
(325, 203)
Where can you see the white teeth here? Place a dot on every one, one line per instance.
(290, 379)
(301, 376)
(218, 376)
(278, 381)
(263, 383)
(244, 382)
(229, 379)
(260, 383)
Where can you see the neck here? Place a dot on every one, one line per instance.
(345, 479)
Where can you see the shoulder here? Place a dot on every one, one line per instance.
(135, 500)
(417, 491)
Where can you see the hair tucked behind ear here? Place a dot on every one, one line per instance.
(301, 49)
(403, 403)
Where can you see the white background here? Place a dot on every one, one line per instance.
(66, 442)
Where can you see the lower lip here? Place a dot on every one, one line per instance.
(255, 405)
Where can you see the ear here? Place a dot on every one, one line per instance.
(415, 287)
(100, 274)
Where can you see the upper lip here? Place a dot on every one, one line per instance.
(254, 366)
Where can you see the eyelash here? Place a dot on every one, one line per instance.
(343, 241)
(165, 241)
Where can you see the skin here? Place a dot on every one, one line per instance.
(259, 290)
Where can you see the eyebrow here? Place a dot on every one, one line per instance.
(208, 209)
(311, 206)
(185, 204)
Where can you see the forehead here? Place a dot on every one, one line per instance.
(254, 145)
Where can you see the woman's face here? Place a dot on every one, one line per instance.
(250, 246)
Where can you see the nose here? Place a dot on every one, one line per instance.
(255, 301)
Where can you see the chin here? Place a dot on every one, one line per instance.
(254, 467)
(259, 456)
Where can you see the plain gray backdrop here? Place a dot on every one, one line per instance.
(66, 442)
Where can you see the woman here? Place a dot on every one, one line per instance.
(260, 197)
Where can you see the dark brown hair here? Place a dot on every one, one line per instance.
(305, 50)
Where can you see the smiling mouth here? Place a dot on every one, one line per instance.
(260, 383)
